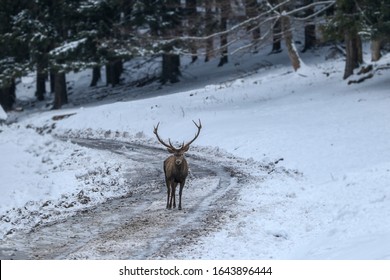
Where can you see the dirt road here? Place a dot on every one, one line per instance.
(138, 226)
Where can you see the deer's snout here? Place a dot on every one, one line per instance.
(178, 161)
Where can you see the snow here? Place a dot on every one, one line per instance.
(3, 115)
(335, 135)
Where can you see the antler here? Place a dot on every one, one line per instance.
(199, 126)
(183, 147)
(170, 146)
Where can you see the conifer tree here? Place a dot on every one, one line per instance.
(163, 20)
(376, 23)
(346, 25)
(14, 55)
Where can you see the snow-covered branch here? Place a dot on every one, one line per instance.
(67, 47)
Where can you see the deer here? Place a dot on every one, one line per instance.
(176, 166)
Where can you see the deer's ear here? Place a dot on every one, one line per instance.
(171, 150)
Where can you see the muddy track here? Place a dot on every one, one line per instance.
(137, 226)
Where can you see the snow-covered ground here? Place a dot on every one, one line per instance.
(336, 136)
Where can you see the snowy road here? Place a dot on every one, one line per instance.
(138, 226)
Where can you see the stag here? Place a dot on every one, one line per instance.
(176, 166)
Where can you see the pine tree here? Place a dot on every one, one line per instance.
(346, 25)
(376, 23)
(95, 22)
(14, 58)
(310, 27)
(30, 28)
(163, 19)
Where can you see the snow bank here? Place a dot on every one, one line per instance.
(45, 179)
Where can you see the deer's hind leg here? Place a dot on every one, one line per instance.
(180, 192)
(168, 183)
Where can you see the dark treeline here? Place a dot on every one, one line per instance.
(52, 38)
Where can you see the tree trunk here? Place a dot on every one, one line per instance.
(310, 37)
(41, 85)
(277, 37)
(96, 76)
(109, 75)
(7, 95)
(376, 45)
(224, 7)
(310, 28)
(114, 71)
(209, 22)
(192, 26)
(252, 10)
(353, 43)
(41, 80)
(170, 68)
(353, 46)
(42, 66)
(288, 38)
(60, 92)
(52, 74)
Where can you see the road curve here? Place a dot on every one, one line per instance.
(137, 226)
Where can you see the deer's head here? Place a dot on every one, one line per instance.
(178, 153)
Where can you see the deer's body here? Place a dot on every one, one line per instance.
(175, 168)
(174, 174)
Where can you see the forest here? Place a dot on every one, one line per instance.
(291, 162)
(53, 38)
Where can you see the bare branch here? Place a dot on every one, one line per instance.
(327, 4)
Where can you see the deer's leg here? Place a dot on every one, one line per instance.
(180, 192)
(174, 194)
(171, 196)
(168, 192)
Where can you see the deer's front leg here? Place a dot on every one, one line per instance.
(180, 192)
(174, 194)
